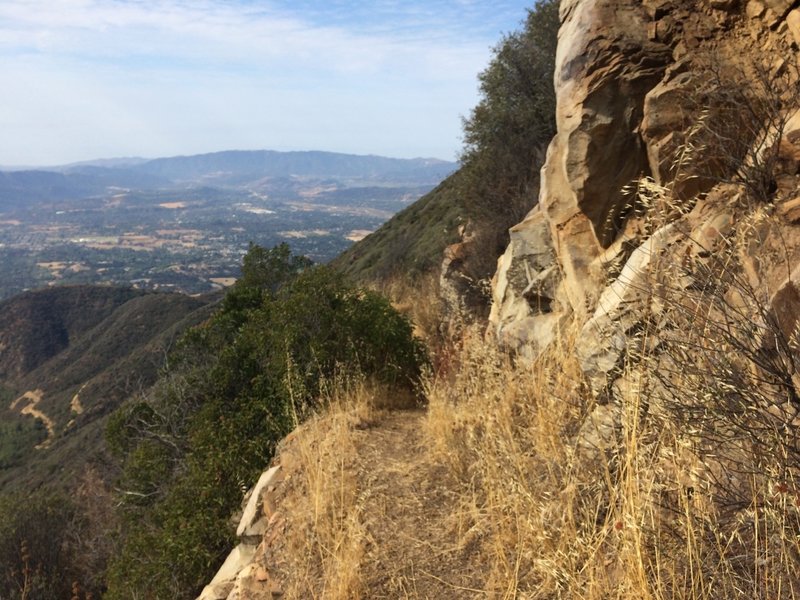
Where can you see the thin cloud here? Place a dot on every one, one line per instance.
(154, 75)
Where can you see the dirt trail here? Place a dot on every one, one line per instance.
(411, 516)
(75, 404)
(408, 512)
(34, 397)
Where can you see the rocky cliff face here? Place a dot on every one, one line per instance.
(675, 162)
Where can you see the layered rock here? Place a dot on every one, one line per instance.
(243, 576)
(636, 81)
(605, 65)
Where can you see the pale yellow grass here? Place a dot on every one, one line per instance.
(636, 520)
(327, 542)
(368, 509)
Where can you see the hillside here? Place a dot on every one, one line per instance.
(628, 428)
(35, 326)
(74, 354)
(412, 242)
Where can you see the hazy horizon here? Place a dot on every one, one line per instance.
(94, 79)
(100, 159)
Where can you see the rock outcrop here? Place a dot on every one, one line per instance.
(242, 576)
(636, 200)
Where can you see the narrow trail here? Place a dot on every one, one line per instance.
(34, 397)
(412, 515)
(410, 528)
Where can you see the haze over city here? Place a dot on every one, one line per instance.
(86, 79)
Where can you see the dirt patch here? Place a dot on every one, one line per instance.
(33, 398)
(75, 404)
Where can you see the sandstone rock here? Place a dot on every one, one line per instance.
(656, 9)
(463, 292)
(619, 311)
(790, 210)
(600, 430)
(253, 583)
(217, 591)
(604, 67)
(708, 234)
(526, 307)
(626, 84)
(779, 7)
(254, 522)
(755, 9)
(667, 113)
(223, 582)
(793, 22)
(785, 306)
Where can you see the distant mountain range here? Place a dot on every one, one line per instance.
(230, 169)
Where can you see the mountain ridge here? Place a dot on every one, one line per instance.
(228, 168)
(81, 351)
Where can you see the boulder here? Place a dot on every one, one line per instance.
(605, 65)
(793, 21)
(755, 9)
(605, 337)
(526, 309)
(779, 7)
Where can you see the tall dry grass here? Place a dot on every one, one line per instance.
(633, 516)
(327, 521)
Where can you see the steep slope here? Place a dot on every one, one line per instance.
(413, 241)
(94, 347)
(693, 99)
(35, 326)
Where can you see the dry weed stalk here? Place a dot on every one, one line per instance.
(720, 370)
(696, 499)
(328, 553)
(505, 429)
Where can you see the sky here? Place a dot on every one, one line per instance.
(88, 79)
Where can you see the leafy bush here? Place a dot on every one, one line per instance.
(505, 138)
(236, 386)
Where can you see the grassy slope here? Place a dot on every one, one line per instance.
(410, 243)
(119, 355)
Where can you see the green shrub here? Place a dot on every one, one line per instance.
(236, 386)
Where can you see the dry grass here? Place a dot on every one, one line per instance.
(496, 492)
(327, 545)
(636, 519)
(367, 508)
(419, 300)
(548, 494)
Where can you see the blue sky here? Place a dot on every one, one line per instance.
(86, 79)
